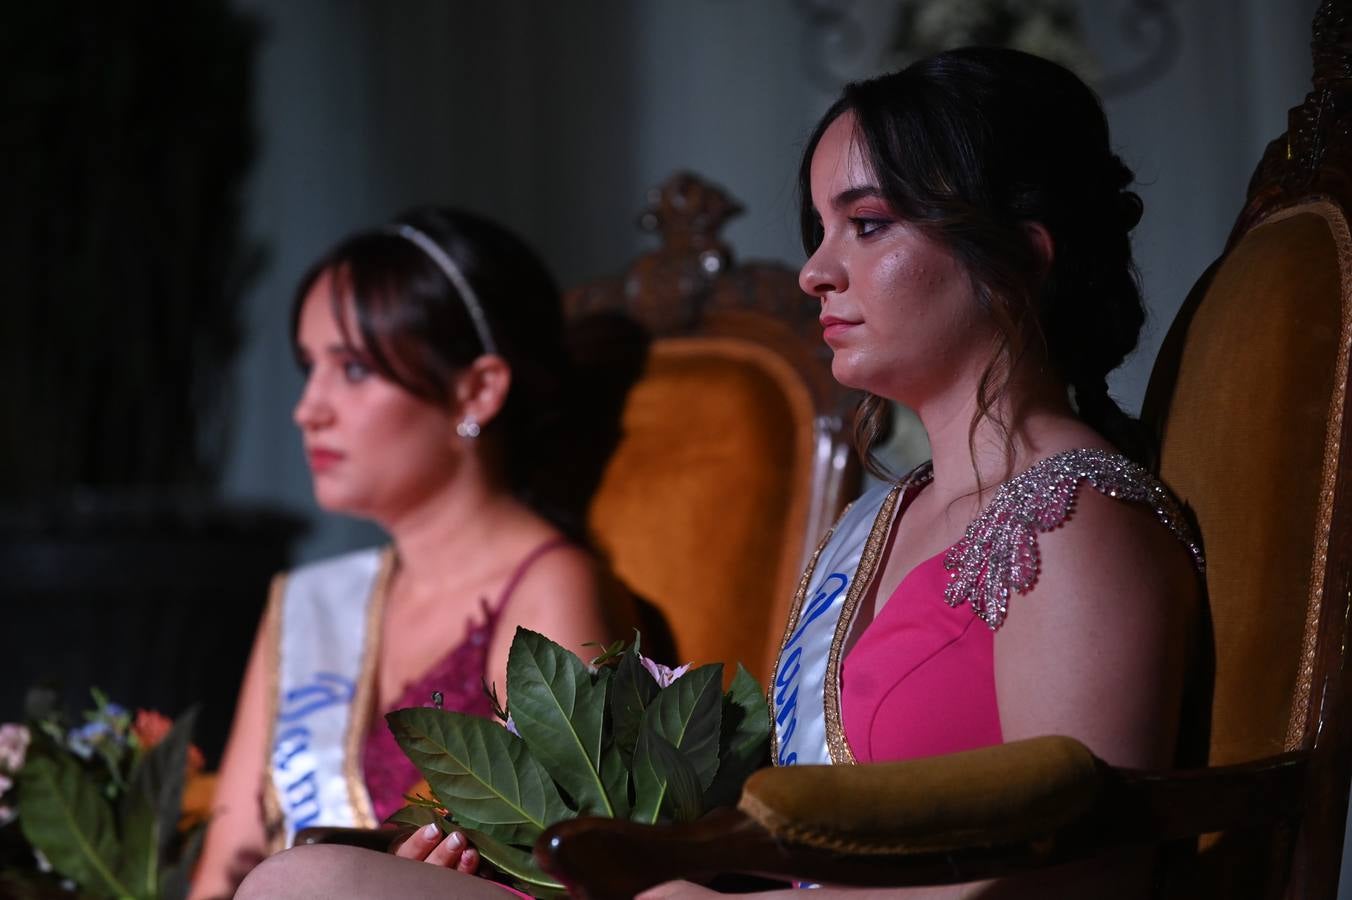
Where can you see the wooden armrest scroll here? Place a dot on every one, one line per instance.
(381, 839)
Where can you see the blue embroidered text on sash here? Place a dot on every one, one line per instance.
(292, 758)
(787, 678)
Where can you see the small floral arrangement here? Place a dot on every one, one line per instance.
(97, 806)
(624, 737)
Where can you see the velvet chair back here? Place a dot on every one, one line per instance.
(1250, 396)
(728, 461)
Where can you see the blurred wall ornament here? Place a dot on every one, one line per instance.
(854, 39)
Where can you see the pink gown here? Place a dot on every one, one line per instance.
(917, 649)
(920, 679)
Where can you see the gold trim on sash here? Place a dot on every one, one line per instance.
(836, 743)
(274, 826)
(795, 611)
(363, 702)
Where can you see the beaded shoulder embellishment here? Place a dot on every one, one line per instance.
(999, 552)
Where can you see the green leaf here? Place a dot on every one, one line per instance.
(150, 809)
(615, 776)
(631, 690)
(559, 713)
(139, 863)
(175, 880)
(664, 781)
(517, 864)
(684, 799)
(523, 834)
(67, 818)
(689, 714)
(479, 770)
(417, 817)
(157, 779)
(744, 739)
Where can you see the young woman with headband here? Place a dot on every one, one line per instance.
(434, 363)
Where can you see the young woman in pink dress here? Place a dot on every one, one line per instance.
(967, 228)
(434, 365)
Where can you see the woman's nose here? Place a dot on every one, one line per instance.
(312, 409)
(821, 274)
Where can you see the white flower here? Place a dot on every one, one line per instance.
(7, 815)
(13, 747)
(660, 673)
(5, 784)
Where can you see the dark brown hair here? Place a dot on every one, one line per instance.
(970, 146)
(417, 331)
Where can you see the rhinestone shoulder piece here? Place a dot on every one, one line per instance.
(998, 554)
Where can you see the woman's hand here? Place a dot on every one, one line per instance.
(452, 852)
(677, 890)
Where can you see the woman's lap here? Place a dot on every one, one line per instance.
(334, 871)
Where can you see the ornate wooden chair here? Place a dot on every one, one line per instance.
(1250, 396)
(729, 461)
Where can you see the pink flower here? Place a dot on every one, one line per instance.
(7, 813)
(660, 673)
(151, 727)
(13, 748)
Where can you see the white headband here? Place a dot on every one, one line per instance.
(456, 277)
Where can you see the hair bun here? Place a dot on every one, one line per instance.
(1129, 209)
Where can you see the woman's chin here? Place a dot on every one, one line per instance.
(844, 371)
(333, 501)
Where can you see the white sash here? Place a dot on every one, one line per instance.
(805, 692)
(321, 664)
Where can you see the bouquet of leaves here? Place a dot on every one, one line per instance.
(624, 738)
(95, 808)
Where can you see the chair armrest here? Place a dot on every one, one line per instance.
(960, 817)
(994, 795)
(382, 839)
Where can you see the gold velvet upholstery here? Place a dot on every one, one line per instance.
(729, 459)
(1258, 371)
(701, 508)
(929, 805)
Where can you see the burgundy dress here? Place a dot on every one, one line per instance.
(459, 677)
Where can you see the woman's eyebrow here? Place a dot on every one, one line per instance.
(848, 196)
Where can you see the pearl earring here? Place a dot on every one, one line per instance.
(468, 428)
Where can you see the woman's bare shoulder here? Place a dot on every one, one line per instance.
(1097, 647)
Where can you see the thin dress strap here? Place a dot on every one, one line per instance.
(458, 677)
(520, 572)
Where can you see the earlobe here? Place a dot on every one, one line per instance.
(1044, 247)
(482, 387)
